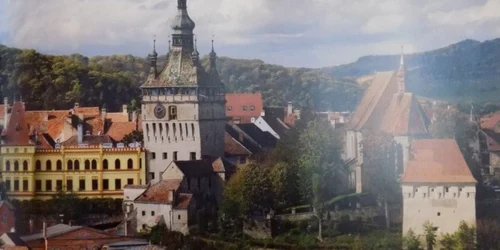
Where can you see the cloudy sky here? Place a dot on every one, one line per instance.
(305, 33)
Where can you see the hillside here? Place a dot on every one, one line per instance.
(465, 71)
(54, 82)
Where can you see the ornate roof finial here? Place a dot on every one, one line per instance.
(154, 47)
(195, 55)
(402, 62)
(401, 74)
(153, 72)
(213, 55)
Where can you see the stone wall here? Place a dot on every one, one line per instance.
(365, 213)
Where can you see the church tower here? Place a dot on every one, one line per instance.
(183, 115)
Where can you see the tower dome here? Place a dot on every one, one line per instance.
(182, 23)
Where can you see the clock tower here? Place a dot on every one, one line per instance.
(183, 115)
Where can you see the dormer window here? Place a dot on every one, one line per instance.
(252, 108)
(229, 108)
(244, 108)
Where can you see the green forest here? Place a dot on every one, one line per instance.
(57, 82)
(468, 71)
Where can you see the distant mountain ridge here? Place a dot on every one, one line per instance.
(466, 71)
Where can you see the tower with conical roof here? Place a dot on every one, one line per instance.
(183, 116)
(401, 74)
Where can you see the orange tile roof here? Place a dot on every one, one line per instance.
(375, 101)
(118, 130)
(47, 122)
(437, 161)
(17, 132)
(404, 116)
(95, 124)
(159, 192)
(238, 101)
(87, 110)
(2, 114)
(117, 117)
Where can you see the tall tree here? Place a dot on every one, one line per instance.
(430, 235)
(381, 159)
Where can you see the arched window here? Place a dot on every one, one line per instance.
(38, 165)
(59, 165)
(48, 165)
(7, 166)
(70, 165)
(25, 165)
(94, 164)
(192, 130)
(187, 131)
(105, 164)
(180, 130)
(77, 165)
(130, 164)
(87, 165)
(16, 166)
(117, 164)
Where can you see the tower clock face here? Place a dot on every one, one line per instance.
(160, 111)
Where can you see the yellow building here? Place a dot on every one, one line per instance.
(94, 165)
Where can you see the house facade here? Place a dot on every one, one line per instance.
(44, 152)
(437, 187)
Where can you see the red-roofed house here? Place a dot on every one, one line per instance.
(245, 107)
(438, 187)
(490, 143)
(185, 189)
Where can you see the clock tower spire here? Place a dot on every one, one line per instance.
(183, 114)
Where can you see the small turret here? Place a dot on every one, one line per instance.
(213, 58)
(195, 56)
(153, 58)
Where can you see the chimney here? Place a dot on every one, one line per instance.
(5, 112)
(134, 116)
(126, 225)
(104, 113)
(44, 229)
(289, 109)
(240, 136)
(171, 196)
(31, 225)
(13, 230)
(77, 105)
(125, 109)
(80, 133)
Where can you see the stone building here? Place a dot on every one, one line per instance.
(183, 112)
(79, 150)
(386, 108)
(438, 187)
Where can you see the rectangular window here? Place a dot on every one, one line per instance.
(38, 185)
(243, 160)
(152, 213)
(82, 185)
(143, 213)
(7, 184)
(175, 156)
(25, 185)
(16, 185)
(153, 155)
(130, 181)
(59, 185)
(192, 156)
(118, 184)
(94, 185)
(69, 185)
(105, 184)
(48, 185)
(165, 156)
(447, 189)
(151, 175)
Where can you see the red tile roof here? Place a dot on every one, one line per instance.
(437, 161)
(118, 130)
(117, 117)
(17, 132)
(183, 201)
(233, 147)
(159, 192)
(47, 122)
(490, 121)
(87, 110)
(236, 102)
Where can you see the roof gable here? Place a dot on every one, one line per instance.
(160, 192)
(405, 116)
(375, 101)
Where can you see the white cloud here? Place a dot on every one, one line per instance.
(292, 32)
